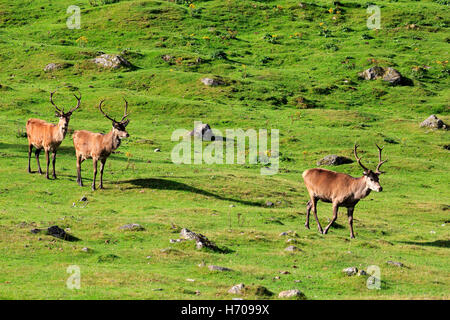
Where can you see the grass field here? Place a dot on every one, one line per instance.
(286, 66)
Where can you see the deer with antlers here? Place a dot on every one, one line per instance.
(99, 146)
(341, 189)
(48, 136)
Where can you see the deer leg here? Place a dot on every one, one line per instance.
(350, 220)
(79, 180)
(314, 207)
(37, 152)
(335, 213)
(30, 149)
(94, 162)
(53, 163)
(102, 166)
(308, 210)
(48, 161)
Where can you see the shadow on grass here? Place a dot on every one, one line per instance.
(164, 184)
(436, 243)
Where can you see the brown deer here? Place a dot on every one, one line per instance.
(99, 146)
(341, 189)
(48, 136)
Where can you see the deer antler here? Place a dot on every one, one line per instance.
(51, 100)
(100, 107)
(359, 159)
(125, 114)
(78, 103)
(377, 170)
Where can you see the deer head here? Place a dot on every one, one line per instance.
(64, 117)
(118, 126)
(371, 177)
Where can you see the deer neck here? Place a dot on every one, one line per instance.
(62, 127)
(361, 190)
(113, 140)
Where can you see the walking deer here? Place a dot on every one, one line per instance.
(341, 189)
(99, 146)
(48, 136)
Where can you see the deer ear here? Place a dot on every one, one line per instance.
(125, 123)
(57, 114)
(365, 173)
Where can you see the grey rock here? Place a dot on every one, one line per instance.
(212, 81)
(157, 150)
(387, 74)
(269, 204)
(218, 268)
(350, 271)
(362, 273)
(294, 293)
(132, 227)
(434, 122)
(203, 131)
(111, 61)
(201, 240)
(85, 249)
(395, 263)
(333, 160)
(292, 249)
(56, 66)
(237, 289)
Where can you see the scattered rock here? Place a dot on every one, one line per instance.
(290, 240)
(85, 249)
(292, 249)
(237, 289)
(56, 232)
(157, 150)
(201, 240)
(132, 227)
(167, 58)
(387, 74)
(362, 273)
(56, 66)
(176, 240)
(395, 263)
(203, 131)
(112, 61)
(285, 272)
(333, 160)
(218, 268)
(350, 271)
(434, 122)
(84, 198)
(295, 293)
(269, 204)
(212, 82)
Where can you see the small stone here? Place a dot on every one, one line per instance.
(292, 249)
(190, 280)
(269, 204)
(295, 293)
(297, 281)
(285, 272)
(148, 257)
(85, 249)
(283, 234)
(132, 227)
(395, 263)
(112, 61)
(290, 240)
(218, 268)
(362, 273)
(276, 278)
(350, 271)
(434, 122)
(237, 289)
(157, 150)
(84, 198)
(212, 81)
(232, 206)
(333, 160)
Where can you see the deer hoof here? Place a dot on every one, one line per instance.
(307, 226)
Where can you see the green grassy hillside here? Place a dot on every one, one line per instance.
(286, 65)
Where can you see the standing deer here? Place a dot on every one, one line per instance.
(341, 189)
(99, 146)
(48, 136)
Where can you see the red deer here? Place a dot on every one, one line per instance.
(48, 136)
(99, 146)
(340, 189)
